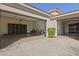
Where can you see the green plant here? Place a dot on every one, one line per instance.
(51, 32)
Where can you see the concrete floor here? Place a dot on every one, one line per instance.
(41, 46)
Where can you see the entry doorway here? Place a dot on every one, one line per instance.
(17, 29)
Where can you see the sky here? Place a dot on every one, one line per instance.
(64, 7)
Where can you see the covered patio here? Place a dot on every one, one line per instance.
(13, 24)
(67, 23)
(25, 20)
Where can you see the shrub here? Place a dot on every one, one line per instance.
(51, 32)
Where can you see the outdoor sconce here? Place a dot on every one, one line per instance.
(20, 19)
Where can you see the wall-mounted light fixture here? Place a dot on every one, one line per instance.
(20, 19)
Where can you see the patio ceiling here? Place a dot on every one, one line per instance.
(14, 16)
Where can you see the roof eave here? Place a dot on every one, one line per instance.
(67, 15)
(28, 6)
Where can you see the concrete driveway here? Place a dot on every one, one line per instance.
(41, 46)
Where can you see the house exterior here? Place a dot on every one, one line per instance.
(19, 18)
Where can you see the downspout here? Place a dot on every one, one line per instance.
(0, 31)
(0, 22)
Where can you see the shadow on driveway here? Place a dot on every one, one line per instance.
(9, 39)
(73, 36)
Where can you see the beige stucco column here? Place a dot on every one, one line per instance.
(0, 22)
(51, 24)
(60, 27)
(47, 28)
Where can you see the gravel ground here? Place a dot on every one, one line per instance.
(41, 46)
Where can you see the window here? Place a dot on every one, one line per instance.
(17, 29)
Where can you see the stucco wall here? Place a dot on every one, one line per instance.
(5, 21)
